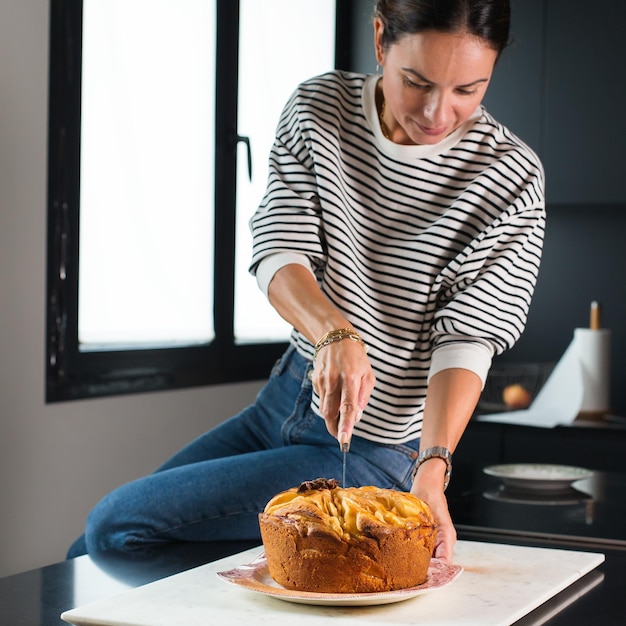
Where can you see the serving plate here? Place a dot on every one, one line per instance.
(255, 577)
(539, 476)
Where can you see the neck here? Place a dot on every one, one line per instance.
(380, 106)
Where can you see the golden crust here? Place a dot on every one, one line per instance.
(354, 540)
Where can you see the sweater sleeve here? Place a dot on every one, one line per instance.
(488, 292)
(469, 355)
(288, 220)
(269, 265)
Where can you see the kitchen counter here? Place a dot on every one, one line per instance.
(38, 597)
(595, 524)
(499, 585)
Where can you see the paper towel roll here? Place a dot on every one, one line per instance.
(594, 351)
(579, 386)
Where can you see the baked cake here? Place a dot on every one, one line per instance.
(322, 538)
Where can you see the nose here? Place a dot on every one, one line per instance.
(436, 109)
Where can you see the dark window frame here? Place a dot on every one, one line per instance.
(72, 374)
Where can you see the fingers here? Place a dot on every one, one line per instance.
(431, 492)
(348, 416)
(341, 411)
(446, 540)
(341, 408)
(343, 379)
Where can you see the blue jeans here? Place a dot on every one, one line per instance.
(214, 488)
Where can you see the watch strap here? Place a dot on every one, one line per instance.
(436, 452)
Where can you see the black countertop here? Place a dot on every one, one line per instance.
(592, 520)
(592, 511)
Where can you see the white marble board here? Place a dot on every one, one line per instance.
(499, 585)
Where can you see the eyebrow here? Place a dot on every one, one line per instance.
(430, 82)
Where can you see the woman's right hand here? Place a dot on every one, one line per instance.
(342, 376)
(343, 379)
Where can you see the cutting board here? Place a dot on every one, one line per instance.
(499, 585)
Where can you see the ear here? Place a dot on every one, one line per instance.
(378, 41)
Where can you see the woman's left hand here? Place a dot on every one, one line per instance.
(428, 486)
(450, 401)
(446, 533)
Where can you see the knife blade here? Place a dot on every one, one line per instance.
(345, 446)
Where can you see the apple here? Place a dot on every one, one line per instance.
(516, 397)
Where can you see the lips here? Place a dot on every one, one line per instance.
(431, 132)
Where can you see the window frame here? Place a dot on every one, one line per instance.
(72, 374)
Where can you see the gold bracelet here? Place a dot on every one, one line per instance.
(338, 335)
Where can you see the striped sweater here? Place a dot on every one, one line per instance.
(432, 252)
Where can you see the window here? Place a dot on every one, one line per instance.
(146, 174)
(262, 94)
(151, 102)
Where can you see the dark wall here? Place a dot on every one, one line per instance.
(559, 86)
(584, 259)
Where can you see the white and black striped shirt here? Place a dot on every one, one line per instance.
(431, 251)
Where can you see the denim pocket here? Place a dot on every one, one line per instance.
(396, 460)
(411, 453)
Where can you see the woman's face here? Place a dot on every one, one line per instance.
(432, 82)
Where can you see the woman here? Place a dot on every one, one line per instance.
(401, 236)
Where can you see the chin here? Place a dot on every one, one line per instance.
(429, 140)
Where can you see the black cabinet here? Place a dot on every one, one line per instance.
(585, 126)
(596, 446)
(559, 87)
(517, 89)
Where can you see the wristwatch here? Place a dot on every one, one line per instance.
(436, 452)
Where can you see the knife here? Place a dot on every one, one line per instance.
(345, 446)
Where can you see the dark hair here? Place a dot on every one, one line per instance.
(486, 19)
